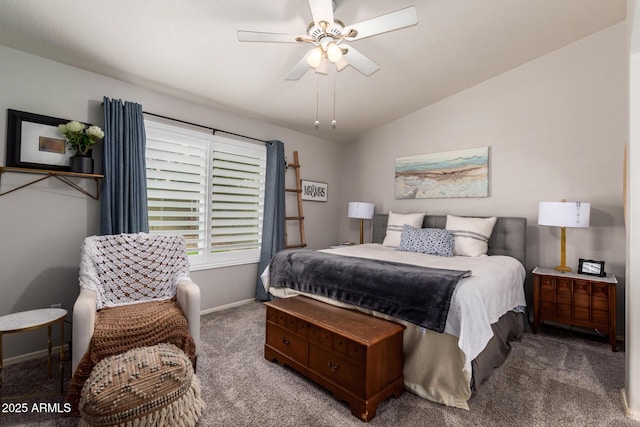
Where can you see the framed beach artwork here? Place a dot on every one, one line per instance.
(461, 173)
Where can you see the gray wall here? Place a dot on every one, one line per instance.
(42, 226)
(556, 128)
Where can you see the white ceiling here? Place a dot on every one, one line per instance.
(189, 49)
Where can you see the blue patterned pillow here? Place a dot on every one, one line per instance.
(433, 241)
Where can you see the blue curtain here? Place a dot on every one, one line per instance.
(274, 211)
(123, 206)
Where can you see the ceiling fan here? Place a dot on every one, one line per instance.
(329, 35)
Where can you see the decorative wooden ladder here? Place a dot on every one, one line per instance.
(300, 217)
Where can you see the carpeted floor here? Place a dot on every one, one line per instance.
(554, 378)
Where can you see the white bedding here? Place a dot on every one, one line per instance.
(494, 288)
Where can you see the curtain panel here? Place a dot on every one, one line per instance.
(123, 206)
(273, 223)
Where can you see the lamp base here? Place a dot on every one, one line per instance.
(563, 252)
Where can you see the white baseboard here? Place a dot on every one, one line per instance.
(226, 306)
(34, 355)
(628, 411)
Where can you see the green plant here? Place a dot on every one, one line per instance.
(80, 138)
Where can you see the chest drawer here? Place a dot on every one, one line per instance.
(286, 342)
(338, 369)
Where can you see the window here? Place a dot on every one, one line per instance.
(208, 189)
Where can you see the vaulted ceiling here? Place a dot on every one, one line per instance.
(189, 49)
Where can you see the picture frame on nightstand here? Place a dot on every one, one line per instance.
(591, 267)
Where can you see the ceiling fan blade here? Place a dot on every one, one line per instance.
(360, 62)
(299, 69)
(391, 21)
(256, 36)
(322, 10)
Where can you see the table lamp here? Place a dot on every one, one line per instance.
(564, 214)
(362, 211)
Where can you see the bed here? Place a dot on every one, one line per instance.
(486, 307)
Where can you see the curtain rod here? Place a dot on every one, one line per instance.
(206, 127)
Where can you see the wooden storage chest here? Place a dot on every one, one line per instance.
(356, 356)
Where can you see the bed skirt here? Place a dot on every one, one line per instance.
(509, 328)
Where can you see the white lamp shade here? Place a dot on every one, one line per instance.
(361, 210)
(564, 214)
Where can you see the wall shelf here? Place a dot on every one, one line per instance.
(60, 175)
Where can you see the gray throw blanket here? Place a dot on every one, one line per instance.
(419, 295)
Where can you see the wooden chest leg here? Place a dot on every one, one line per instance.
(365, 411)
(362, 412)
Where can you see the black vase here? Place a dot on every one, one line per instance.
(82, 163)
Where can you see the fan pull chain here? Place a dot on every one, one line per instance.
(333, 122)
(317, 122)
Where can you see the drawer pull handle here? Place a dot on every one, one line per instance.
(332, 366)
(285, 341)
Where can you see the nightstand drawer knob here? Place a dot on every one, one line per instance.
(285, 341)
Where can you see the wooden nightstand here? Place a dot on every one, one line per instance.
(575, 299)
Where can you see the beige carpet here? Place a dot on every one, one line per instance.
(555, 378)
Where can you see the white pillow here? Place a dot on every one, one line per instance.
(471, 235)
(395, 223)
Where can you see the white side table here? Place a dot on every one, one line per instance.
(34, 319)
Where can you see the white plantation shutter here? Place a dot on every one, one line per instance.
(177, 185)
(237, 199)
(208, 189)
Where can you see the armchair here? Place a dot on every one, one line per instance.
(128, 269)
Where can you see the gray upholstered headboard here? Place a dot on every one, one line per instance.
(508, 237)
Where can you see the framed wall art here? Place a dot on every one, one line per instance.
(461, 173)
(314, 191)
(33, 142)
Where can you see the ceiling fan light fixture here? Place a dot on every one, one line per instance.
(334, 53)
(327, 34)
(322, 68)
(314, 58)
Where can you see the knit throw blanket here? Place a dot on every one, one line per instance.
(420, 295)
(130, 268)
(122, 328)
